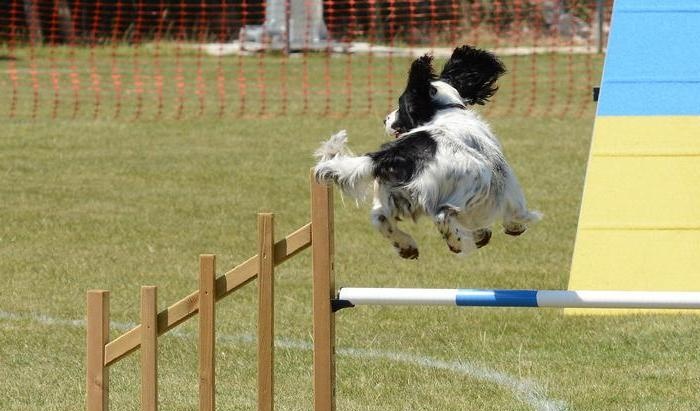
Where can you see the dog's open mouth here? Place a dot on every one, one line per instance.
(398, 132)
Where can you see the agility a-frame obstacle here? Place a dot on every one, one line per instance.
(639, 225)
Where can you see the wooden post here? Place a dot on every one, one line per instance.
(207, 337)
(97, 384)
(149, 348)
(266, 317)
(323, 291)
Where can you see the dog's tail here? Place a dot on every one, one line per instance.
(532, 216)
(336, 163)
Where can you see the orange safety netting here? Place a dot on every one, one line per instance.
(158, 59)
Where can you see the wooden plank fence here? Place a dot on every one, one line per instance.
(103, 353)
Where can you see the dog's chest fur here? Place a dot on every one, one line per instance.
(454, 157)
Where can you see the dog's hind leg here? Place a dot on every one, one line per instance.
(516, 220)
(458, 239)
(516, 216)
(384, 221)
(403, 243)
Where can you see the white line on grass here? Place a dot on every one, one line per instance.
(525, 390)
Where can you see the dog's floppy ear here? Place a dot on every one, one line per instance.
(421, 75)
(473, 73)
(415, 104)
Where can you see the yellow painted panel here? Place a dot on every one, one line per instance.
(646, 192)
(636, 260)
(659, 135)
(639, 227)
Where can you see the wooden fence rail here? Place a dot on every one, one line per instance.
(224, 285)
(102, 353)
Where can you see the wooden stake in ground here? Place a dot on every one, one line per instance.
(266, 317)
(149, 348)
(207, 336)
(323, 291)
(97, 384)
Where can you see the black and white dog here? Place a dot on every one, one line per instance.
(445, 162)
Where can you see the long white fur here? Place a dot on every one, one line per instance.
(337, 163)
(463, 170)
(467, 187)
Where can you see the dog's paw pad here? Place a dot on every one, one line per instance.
(410, 253)
(515, 229)
(483, 238)
(515, 233)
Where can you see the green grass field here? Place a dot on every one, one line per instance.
(115, 204)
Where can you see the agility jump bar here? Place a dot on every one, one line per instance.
(349, 297)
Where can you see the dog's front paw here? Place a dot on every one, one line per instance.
(454, 240)
(482, 237)
(514, 229)
(409, 253)
(405, 245)
(466, 248)
(463, 242)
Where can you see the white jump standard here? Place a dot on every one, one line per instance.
(349, 297)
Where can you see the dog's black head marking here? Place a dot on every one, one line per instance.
(472, 72)
(415, 104)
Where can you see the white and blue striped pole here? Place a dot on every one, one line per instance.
(348, 297)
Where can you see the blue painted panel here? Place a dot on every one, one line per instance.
(659, 46)
(497, 298)
(653, 62)
(650, 99)
(658, 6)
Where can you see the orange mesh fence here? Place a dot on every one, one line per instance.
(170, 59)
